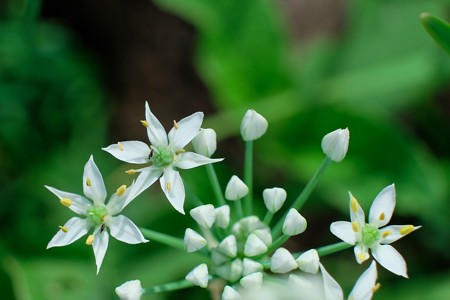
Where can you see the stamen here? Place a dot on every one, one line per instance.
(121, 190)
(131, 172)
(354, 204)
(178, 152)
(90, 240)
(406, 229)
(376, 287)
(168, 186)
(66, 202)
(102, 219)
(144, 122)
(63, 229)
(119, 144)
(175, 124)
(355, 226)
(88, 182)
(382, 216)
(385, 234)
(361, 256)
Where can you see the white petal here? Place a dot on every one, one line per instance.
(93, 185)
(100, 246)
(185, 131)
(356, 212)
(125, 230)
(332, 289)
(79, 205)
(173, 188)
(76, 228)
(390, 234)
(361, 253)
(145, 179)
(363, 289)
(383, 207)
(116, 203)
(344, 231)
(390, 259)
(189, 160)
(155, 131)
(133, 152)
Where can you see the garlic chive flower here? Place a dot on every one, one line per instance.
(274, 198)
(335, 144)
(294, 223)
(236, 189)
(253, 126)
(130, 290)
(199, 276)
(373, 235)
(282, 261)
(98, 215)
(166, 154)
(309, 261)
(366, 285)
(205, 142)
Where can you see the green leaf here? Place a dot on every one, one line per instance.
(438, 29)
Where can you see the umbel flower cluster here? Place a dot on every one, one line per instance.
(244, 253)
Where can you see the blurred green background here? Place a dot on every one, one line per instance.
(74, 76)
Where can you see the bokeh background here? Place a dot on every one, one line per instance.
(74, 76)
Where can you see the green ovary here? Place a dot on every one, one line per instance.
(97, 214)
(370, 235)
(162, 156)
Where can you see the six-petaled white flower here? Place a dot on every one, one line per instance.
(166, 154)
(99, 215)
(371, 235)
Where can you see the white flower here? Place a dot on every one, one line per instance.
(130, 290)
(199, 276)
(282, 261)
(366, 284)
(274, 198)
(253, 126)
(166, 154)
(99, 215)
(335, 144)
(371, 236)
(236, 189)
(294, 223)
(205, 142)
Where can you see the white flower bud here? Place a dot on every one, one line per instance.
(264, 235)
(230, 294)
(222, 216)
(193, 241)
(274, 198)
(253, 126)
(218, 258)
(228, 246)
(294, 223)
(335, 144)
(204, 215)
(309, 261)
(130, 290)
(205, 142)
(199, 276)
(254, 246)
(252, 281)
(231, 271)
(236, 189)
(282, 261)
(250, 266)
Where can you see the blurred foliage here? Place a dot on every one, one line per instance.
(382, 77)
(438, 29)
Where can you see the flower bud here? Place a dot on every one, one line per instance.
(264, 235)
(254, 246)
(230, 294)
(205, 142)
(250, 266)
(222, 216)
(253, 126)
(231, 271)
(228, 246)
(204, 215)
(252, 281)
(294, 223)
(236, 189)
(193, 241)
(130, 290)
(282, 261)
(218, 258)
(199, 276)
(309, 261)
(274, 198)
(335, 144)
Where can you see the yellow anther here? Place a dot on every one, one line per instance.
(64, 229)
(168, 186)
(175, 124)
(355, 226)
(88, 182)
(144, 122)
(406, 229)
(361, 256)
(121, 190)
(382, 216)
(119, 144)
(102, 219)
(180, 151)
(354, 204)
(131, 171)
(376, 287)
(385, 234)
(90, 240)
(66, 202)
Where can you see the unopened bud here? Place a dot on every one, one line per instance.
(254, 246)
(222, 216)
(199, 276)
(204, 215)
(335, 144)
(193, 241)
(282, 261)
(274, 198)
(236, 189)
(252, 281)
(205, 142)
(309, 261)
(130, 290)
(294, 223)
(253, 126)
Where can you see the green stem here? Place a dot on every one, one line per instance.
(306, 192)
(238, 209)
(197, 201)
(163, 238)
(172, 286)
(268, 217)
(215, 184)
(248, 177)
(280, 241)
(333, 248)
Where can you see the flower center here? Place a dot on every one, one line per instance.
(97, 215)
(370, 235)
(162, 156)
